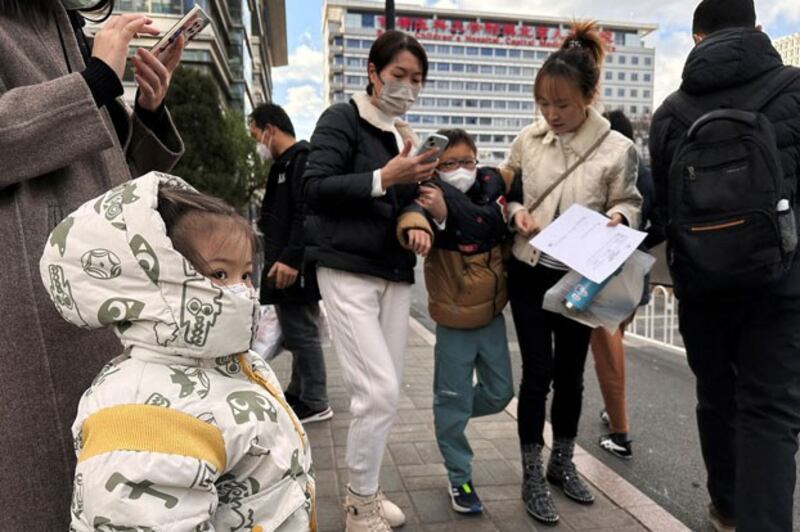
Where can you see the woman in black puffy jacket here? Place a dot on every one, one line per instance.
(359, 177)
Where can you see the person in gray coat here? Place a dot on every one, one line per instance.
(65, 137)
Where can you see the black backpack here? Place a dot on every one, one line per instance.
(731, 219)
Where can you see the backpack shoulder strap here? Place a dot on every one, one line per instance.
(684, 108)
(774, 86)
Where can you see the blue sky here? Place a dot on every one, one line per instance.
(298, 87)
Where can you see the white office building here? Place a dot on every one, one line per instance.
(482, 66)
(789, 48)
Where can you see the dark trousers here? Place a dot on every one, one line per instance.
(554, 352)
(746, 357)
(300, 327)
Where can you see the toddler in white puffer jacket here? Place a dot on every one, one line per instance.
(187, 430)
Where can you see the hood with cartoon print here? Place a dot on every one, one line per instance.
(111, 264)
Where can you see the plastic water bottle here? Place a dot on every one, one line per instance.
(583, 293)
(787, 226)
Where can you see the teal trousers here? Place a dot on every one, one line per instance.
(457, 397)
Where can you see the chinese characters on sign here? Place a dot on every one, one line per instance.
(482, 32)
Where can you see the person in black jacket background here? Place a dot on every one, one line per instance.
(287, 283)
(743, 347)
(360, 176)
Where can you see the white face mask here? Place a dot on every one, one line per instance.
(263, 150)
(242, 299)
(461, 178)
(79, 4)
(397, 97)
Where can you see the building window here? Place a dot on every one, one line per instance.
(528, 72)
(634, 110)
(486, 52)
(442, 85)
(486, 87)
(500, 70)
(353, 80)
(634, 93)
(457, 120)
(609, 75)
(527, 87)
(623, 60)
(528, 54)
(486, 69)
(471, 120)
(621, 93)
(443, 120)
(338, 60)
(428, 119)
(514, 105)
(648, 78)
(635, 60)
(500, 52)
(648, 61)
(457, 85)
(542, 55)
(527, 105)
(366, 45)
(368, 20)
(484, 138)
(353, 43)
(458, 67)
(458, 50)
(514, 71)
(472, 51)
(499, 104)
(634, 76)
(646, 93)
(443, 67)
(485, 121)
(338, 41)
(500, 87)
(486, 104)
(442, 102)
(516, 54)
(621, 76)
(457, 103)
(443, 49)
(514, 87)
(472, 86)
(471, 103)
(609, 58)
(413, 119)
(608, 92)
(499, 139)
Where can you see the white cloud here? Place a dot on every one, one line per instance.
(303, 104)
(305, 64)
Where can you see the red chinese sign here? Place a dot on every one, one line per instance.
(473, 31)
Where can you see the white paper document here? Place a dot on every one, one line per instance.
(581, 239)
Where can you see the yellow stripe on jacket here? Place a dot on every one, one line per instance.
(153, 429)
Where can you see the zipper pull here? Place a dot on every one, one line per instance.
(692, 173)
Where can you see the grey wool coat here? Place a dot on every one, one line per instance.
(57, 150)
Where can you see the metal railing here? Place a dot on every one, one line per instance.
(657, 322)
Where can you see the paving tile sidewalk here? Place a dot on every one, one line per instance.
(414, 477)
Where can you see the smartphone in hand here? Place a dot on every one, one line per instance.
(434, 140)
(189, 26)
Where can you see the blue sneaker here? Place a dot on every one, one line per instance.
(464, 499)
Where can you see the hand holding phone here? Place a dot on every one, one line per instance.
(406, 168)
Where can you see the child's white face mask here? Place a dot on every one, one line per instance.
(461, 178)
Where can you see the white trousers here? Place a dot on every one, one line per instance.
(368, 317)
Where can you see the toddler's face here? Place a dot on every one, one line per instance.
(228, 255)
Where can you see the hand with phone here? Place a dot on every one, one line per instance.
(154, 74)
(112, 41)
(406, 168)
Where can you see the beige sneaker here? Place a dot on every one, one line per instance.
(364, 514)
(391, 512)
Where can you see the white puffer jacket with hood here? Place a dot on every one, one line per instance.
(187, 430)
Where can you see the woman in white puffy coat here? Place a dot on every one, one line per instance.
(187, 430)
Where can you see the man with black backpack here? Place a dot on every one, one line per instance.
(726, 158)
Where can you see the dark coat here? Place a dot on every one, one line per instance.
(464, 272)
(724, 70)
(57, 151)
(282, 219)
(347, 228)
